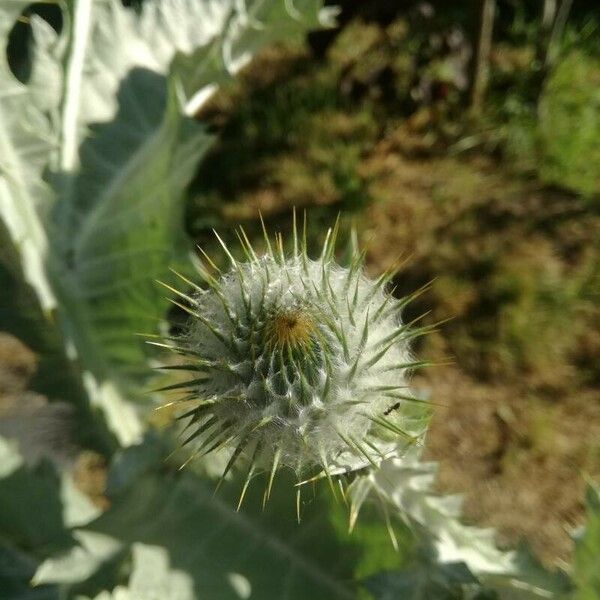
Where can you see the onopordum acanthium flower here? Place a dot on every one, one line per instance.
(297, 363)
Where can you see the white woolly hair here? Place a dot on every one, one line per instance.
(298, 363)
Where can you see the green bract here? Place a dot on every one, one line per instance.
(298, 363)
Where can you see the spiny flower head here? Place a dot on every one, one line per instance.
(297, 363)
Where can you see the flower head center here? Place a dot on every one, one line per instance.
(290, 328)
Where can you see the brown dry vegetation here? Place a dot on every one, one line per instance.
(516, 269)
(515, 266)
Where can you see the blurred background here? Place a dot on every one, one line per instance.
(461, 139)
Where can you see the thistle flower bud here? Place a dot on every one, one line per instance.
(297, 363)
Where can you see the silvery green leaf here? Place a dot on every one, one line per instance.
(31, 523)
(37, 504)
(10, 457)
(110, 41)
(27, 139)
(226, 554)
(31, 510)
(78, 509)
(125, 204)
(127, 236)
(114, 40)
(80, 561)
(151, 578)
(406, 483)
